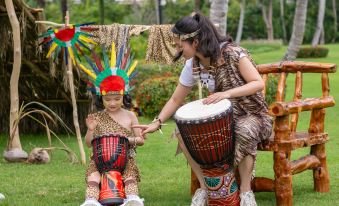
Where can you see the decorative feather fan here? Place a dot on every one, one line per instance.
(69, 41)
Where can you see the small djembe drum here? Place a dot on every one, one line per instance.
(207, 132)
(110, 157)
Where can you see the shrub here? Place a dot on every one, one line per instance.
(271, 88)
(153, 94)
(312, 52)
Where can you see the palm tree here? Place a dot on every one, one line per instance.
(298, 30)
(64, 8)
(282, 19)
(334, 7)
(218, 15)
(320, 23)
(241, 21)
(267, 16)
(102, 11)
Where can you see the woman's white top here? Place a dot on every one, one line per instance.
(189, 80)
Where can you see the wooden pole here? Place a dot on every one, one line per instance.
(74, 104)
(14, 142)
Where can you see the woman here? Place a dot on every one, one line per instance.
(233, 76)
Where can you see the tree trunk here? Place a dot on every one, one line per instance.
(298, 30)
(218, 15)
(41, 3)
(320, 23)
(14, 143)
(197, 5)
(335, 30)
(241, 21)
(63, 9)
(282, 19)
(322, 36)
(267, 16)
(102, 11)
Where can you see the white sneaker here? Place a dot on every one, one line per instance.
(133, 200)
(199, 198)
(91, 202)
(247, 199)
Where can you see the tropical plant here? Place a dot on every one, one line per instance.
(26, 110)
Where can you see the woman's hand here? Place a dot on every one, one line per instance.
(216, 97)
(147, 128)
(91, 122)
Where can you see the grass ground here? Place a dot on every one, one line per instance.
(166, 178)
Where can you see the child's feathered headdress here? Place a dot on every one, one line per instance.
(112, 77)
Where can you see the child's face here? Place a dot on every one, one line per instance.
(188, 49)
(112, 102)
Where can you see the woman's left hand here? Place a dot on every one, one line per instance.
(216, 97)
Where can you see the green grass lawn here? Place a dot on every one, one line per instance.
(165, 178)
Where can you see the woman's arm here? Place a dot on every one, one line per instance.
(168, 110)
(253, 85)
(137, 140)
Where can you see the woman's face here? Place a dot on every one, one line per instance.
(112, 102)
(188, 50)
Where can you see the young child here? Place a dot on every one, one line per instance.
(113, 119)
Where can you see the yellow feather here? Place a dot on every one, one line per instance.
(87, 71)
(88, 40)
(113, 56)
(132, 68)
(51, 50)
(71, 54)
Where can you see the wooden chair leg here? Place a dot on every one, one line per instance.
(320, 175)
(283, 178)
(194, 183)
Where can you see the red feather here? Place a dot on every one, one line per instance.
(124, 61)
(97, 61)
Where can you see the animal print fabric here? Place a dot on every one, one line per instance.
(251, 118)
(107, 125)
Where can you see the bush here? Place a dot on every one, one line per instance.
(312, 52)
(271, 88)
(153, 94)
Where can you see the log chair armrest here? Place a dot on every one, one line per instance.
(285, 108)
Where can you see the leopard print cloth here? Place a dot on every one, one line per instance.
(251, 119)
(131, 173)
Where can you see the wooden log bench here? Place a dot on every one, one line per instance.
(285, 138)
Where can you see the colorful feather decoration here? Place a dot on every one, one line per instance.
(102, 68)
(68, 40)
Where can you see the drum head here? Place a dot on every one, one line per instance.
(197, 110)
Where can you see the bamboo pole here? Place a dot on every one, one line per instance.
(14, 142)
(74, 104)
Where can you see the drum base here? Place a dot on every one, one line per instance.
(111, 189)
(112, 201)
(222, 187)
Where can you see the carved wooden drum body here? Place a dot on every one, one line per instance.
(207, 132)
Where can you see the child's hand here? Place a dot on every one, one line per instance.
(91, 122)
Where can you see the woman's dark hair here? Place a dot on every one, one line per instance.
(127, 101)
(208, 37)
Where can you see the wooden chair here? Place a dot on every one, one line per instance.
(286, 138)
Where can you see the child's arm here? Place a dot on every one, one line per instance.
(89, 137)
(91, 123)
(137, 140)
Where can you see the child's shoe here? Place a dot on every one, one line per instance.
(133, 200)
(91, 202)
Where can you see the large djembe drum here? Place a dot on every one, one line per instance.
(110, 157)
(207, 132)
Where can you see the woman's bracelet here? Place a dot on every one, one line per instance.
(157, 119)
